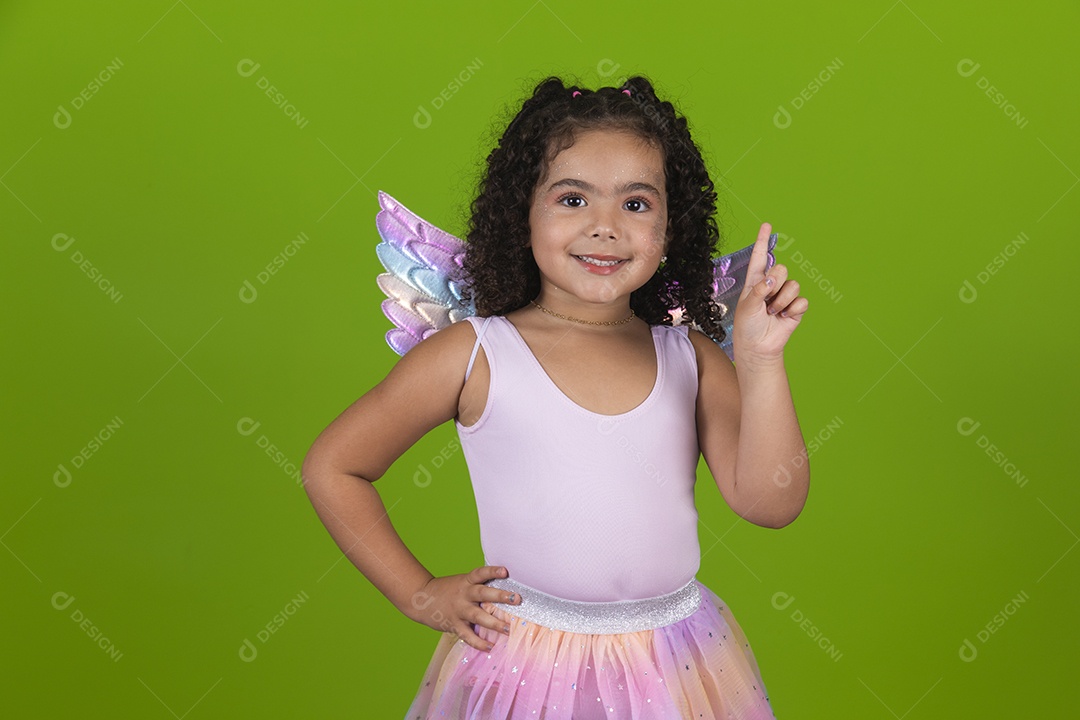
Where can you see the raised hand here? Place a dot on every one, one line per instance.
(454, 603)
(769, 309)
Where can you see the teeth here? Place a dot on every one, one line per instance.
(601, 263)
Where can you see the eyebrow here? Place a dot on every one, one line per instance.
(589, 187)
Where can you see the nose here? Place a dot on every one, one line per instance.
(605, 224)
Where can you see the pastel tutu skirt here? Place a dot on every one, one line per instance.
(600, 664)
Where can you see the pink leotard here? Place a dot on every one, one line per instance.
(577, 504)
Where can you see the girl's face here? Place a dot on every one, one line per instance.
(598, 221)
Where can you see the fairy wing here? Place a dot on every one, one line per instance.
(424, 275)
(729, 277)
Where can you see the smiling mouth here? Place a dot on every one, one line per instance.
(605, 262)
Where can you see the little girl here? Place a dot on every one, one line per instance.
(582, 412)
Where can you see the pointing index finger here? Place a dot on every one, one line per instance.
(758, 265)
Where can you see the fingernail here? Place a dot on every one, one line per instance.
(769, 282)
(506, 629)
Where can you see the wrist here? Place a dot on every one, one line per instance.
(417, 598)
(747, 364)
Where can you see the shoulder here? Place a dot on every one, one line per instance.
(673, 335)
(460, 331)
(442, 352)
(453, 338)
(703, 343)
(707, 352)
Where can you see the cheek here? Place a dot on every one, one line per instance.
(546, 240)
(659, 228)
(552, 225)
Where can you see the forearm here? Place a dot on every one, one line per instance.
(353, 512)
(772, 472)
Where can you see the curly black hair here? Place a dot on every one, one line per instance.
(500, 272)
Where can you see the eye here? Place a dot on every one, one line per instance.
(637, 205)
(570, 199)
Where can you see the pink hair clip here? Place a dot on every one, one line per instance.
(627, 92)
(575, 93)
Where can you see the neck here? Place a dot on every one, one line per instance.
(615, 313)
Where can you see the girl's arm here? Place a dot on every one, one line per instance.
(356, 449)
(747, 429)
(750, 436)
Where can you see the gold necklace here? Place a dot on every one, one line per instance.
(586, 322)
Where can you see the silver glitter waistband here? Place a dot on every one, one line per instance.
(599, 618)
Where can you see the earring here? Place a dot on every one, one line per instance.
(663, 259)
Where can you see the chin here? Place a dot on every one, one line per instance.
(608, 298)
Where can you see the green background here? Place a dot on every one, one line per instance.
(179, 180)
